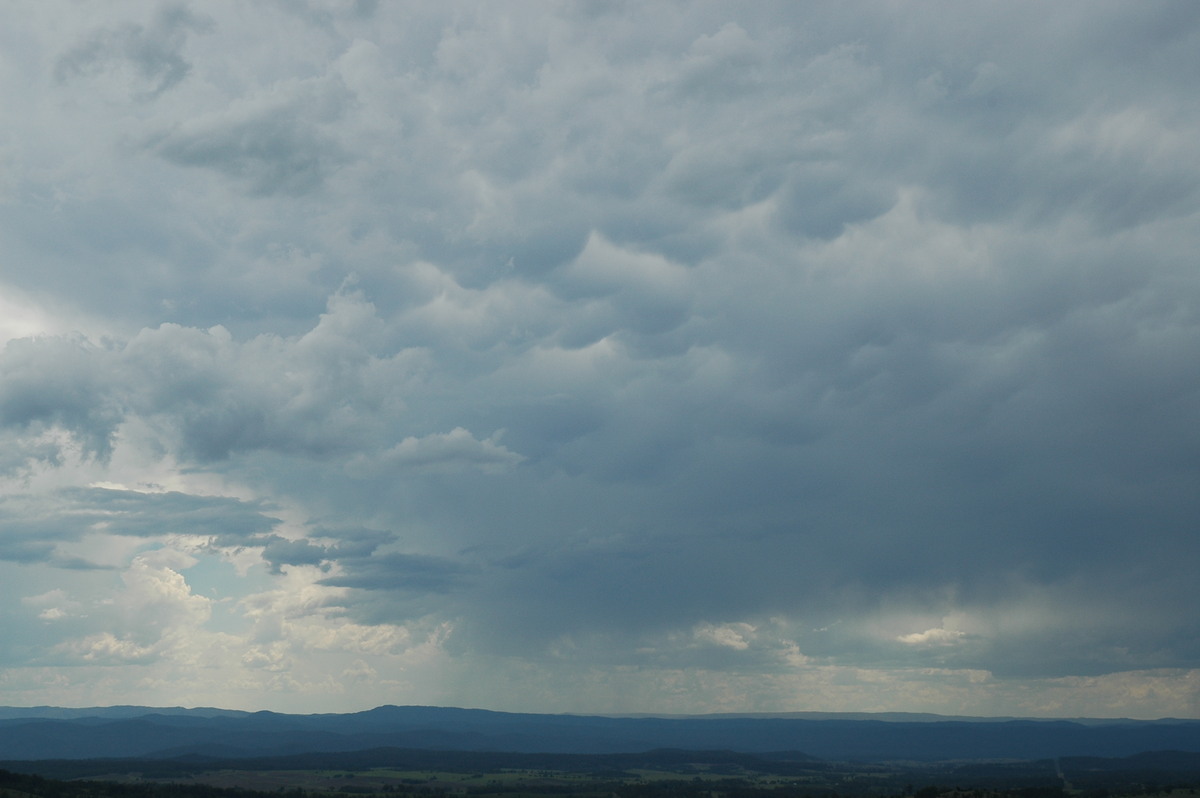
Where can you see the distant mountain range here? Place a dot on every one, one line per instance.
(42, 733)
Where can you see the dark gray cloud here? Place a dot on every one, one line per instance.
(350, 544)
(153, 52)
(272, 145)
(32, 527)
(404, 573)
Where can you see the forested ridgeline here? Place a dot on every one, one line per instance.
(783, 763)
(18, 785)
(26, 785)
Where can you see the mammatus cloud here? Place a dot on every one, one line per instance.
(600, 358)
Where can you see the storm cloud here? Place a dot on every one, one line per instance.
(601, 357)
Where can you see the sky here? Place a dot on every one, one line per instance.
(601, 357)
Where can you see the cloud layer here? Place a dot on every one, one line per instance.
(601, 357)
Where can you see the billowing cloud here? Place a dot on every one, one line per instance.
(603, 358)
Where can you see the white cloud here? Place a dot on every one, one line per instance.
(730, 635)
(20, 317)
(153, 616)
(107, 649)
(53, 605)
(450, 451)
(936, 636)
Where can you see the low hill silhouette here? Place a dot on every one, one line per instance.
(127, 732)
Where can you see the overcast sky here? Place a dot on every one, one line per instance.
(601, 356)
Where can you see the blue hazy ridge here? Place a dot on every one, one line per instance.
(123, 732)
